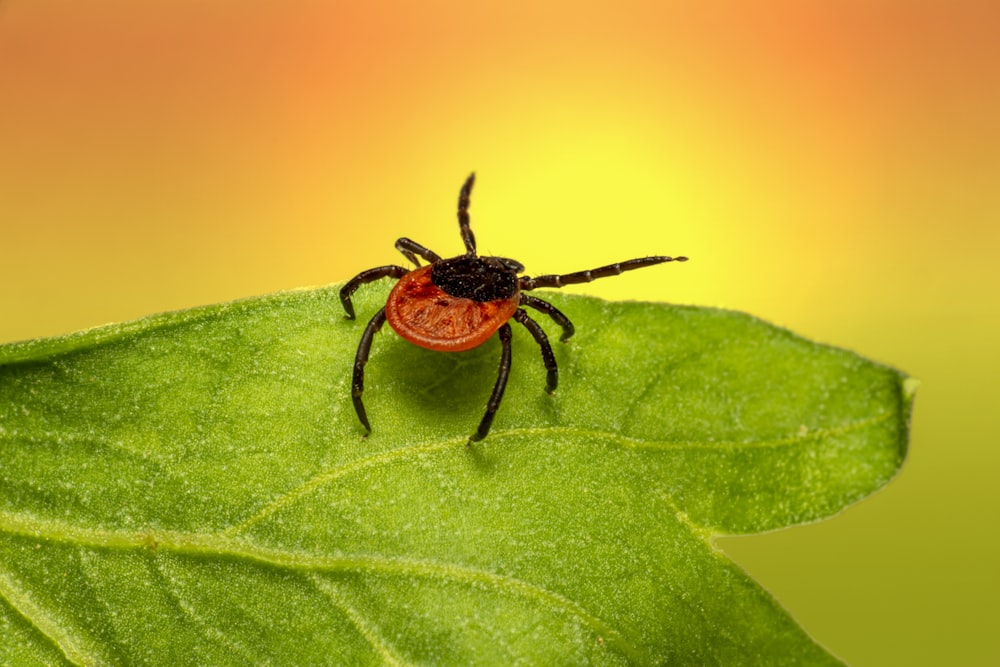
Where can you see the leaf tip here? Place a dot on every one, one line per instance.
(908, 391)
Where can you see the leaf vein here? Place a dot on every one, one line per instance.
(337, 472)
(209, 631)
(55, 630)
(381, 647)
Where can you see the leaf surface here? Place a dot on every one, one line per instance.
(194, 488)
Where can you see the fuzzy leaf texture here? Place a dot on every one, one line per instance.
(194, 488)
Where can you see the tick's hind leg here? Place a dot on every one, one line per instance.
(411, 249)
(358, 382)
(498, 388)
(549, 359)
(366, 277)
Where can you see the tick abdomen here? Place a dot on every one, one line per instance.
(426, 314)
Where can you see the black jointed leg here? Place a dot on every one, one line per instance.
(366, 277)
(498, 388)
(411, 249)
(553, 280)
(463, 216)
(358, 383)
(548, 358)
(553, 312)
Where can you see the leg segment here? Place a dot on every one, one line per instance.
(549, 359)
(358, 382)
(498, 388)
(593, 274)
(551, 311)
(463, 216)
(366, 277)
(411, 249)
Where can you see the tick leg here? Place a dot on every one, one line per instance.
(358, 383)
(463, 217)
(366, 277)
(411, 249)
(498, 388)
(553, 312)
(553, 280)
(549, 359)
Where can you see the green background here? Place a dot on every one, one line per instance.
(831, 167)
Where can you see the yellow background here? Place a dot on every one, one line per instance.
(833, 167)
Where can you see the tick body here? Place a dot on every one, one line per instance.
(456, 304)
(439, 314)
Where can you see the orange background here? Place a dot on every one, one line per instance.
(833, 167)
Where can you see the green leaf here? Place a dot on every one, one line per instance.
(194, 488)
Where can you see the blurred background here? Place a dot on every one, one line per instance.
(833, 167)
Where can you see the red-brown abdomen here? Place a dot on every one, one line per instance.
(422, 313)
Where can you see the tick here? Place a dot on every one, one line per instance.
(456, 304)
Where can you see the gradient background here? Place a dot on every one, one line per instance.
(833, 167)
